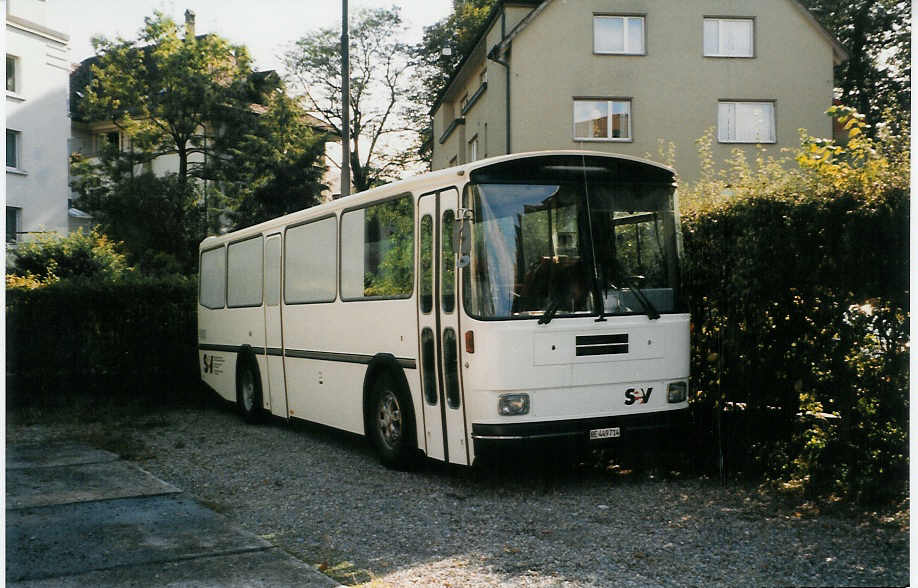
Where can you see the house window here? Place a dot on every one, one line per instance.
(602, 120)
(728, 37)
(13, 144)
(473, 149)
(11, 73)
(618, 34)
(746, 122)
(13, 219)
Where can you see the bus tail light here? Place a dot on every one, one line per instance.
(513, 404)
(469, 342)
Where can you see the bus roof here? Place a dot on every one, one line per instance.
(424, 182)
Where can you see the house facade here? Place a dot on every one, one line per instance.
(37, 123)
(625, 75)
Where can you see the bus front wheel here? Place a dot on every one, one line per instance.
(392, 424)
(248, 391)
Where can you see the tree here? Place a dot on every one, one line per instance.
(876, 34)
(164, 92)
(455, 34)
(274, 167)
(197, 99)
(380, 79)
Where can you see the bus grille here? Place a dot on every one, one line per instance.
(602, 344)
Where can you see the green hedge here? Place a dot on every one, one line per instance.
(800, 327)
(131, 338)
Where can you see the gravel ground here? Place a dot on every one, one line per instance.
(322, 496)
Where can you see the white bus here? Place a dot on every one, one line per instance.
(523, 297)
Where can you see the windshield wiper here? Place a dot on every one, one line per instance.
(652, 312)
(550, 312)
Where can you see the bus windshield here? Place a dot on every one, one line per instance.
(571, 248)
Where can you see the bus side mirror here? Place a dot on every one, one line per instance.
(465, 217)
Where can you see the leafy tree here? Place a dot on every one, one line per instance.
(380, 79)
(197, 99)
(438, 55)
(272, 165)
(162, 89)
(876, 34)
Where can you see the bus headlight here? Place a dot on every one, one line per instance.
(513, 404)
(676, 392)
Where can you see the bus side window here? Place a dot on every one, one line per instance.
(213, 278)
(448, 282)
(245, 261)
(426, 270)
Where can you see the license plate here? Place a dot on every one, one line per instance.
(609, 433)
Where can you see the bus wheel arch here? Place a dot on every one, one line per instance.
(389, 419)
(249, 397)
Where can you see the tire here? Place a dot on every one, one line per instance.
(248, 391)
(391, 424)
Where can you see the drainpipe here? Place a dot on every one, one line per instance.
(493, 56)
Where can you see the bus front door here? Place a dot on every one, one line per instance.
(438, 325)
(274, 351)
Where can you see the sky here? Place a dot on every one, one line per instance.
(266, 27)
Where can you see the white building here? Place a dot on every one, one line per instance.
(37, 122)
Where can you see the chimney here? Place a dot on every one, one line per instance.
(189, 24)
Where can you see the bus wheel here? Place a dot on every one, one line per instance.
(392, 424)
(248, 391)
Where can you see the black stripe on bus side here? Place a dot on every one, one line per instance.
(405, 362)
(213, 347)
(344, 357)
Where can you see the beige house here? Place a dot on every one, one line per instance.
(622, 75)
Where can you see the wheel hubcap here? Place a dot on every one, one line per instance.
(248, 390)
(389, 419)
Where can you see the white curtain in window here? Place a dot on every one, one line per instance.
(726, 37)
(746, 122)
(618, 34)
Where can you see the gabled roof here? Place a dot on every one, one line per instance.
(838, 52)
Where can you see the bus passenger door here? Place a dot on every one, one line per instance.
(274, 360)
(448, 313)
(438, 324)
(427, 328)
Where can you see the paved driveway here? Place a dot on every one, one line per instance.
(78, 516)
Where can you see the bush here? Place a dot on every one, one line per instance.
(798, 286)
(51, 257)
(132, 338)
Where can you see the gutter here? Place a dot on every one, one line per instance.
(493, 56)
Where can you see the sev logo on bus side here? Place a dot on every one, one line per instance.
(213, 364)
(632, 395)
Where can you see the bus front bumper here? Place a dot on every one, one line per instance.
(660, 426)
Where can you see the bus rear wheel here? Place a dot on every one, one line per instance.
(248, 392)
(392, 424)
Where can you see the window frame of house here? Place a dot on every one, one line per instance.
(16, 78)
(725, 138)
(16, 151)
(610, 112)
(625, 37)
(719, 54)
(17, 222)
(472, 149)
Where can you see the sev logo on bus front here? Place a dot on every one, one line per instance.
(632, 395)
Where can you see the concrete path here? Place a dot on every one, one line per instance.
(78, 516)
